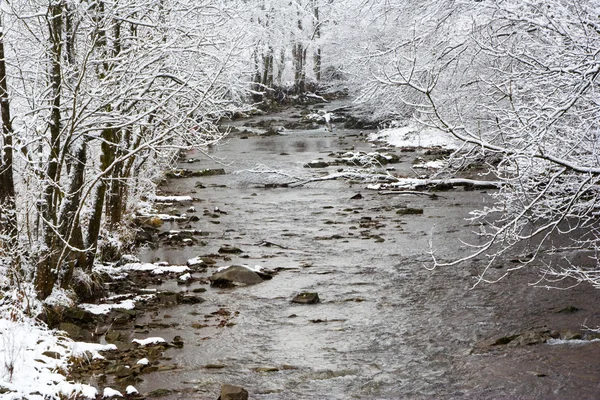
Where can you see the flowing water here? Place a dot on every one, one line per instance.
(387, 327)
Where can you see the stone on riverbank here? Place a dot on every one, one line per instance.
(230, 392)
(235, 274)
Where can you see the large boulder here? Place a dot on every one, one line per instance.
(230, 392)
(235, 275)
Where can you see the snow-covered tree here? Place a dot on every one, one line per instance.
(96, 90)
(519, 80)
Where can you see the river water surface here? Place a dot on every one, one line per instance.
(387, 327)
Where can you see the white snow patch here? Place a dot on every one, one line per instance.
(163, 199)
(109, 392)
(99, 309)
(60, 297)
(149, 341)
(81, 390)
(172, 268)
(437, 164)
(155, 269)
(256, 268)
(415, 136)
(185, 277)
(22, 347)
(192, 262)
(143, 361)
(80, 348)
(131, 390)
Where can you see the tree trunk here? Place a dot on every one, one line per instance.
(117, 191)
(46, 275)
(106, 159)
(317, 35)
(70, 228)
(299, 54)
(8, 220)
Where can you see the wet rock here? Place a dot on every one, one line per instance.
(235, 274)
(188, 298)
(160, 393)
(186, 173)
(570, 335)
(316, 164)
(177, 342)
(167, 298)
(120, 371)
(144, 236)
(568, 310)
(114, 336)
(78, 314)
(230, 392)
(266, 369)
(306, 298)
(52, 354)
(228, 249)
(357, 196)
(214, 366)
(75, 332)
(266, 274)
(127, 259)
(527, 338)
(409, 211)
(531, 338)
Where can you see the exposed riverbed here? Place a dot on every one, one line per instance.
(387, 327)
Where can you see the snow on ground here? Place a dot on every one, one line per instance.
(105, 308)
(130, 390)
(108, 393)
(415, 136)
(154, 269)
(32, 359)
(185, 277)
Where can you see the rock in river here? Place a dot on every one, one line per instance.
(306, 298)
(235, 274)
(228, 249)
(230, 392)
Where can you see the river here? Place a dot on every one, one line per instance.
(387, 326)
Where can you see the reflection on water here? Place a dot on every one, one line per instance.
(387, 328)
(301, 146)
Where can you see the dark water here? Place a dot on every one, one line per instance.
(387, 327)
